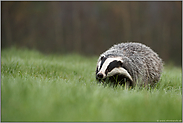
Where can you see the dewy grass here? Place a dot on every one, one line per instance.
(37, 87)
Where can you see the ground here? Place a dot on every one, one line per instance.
(55, 87)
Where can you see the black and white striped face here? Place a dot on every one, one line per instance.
(107, 67)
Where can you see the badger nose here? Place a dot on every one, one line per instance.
(100, 75)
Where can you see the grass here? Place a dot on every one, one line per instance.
(37, 87)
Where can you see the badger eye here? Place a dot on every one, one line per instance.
(107, 71)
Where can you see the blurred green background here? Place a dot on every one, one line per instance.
(89, 28)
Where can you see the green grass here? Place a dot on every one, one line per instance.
(37, 87)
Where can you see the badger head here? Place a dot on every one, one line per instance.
(112, 67)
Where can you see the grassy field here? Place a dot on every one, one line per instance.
(37, 87)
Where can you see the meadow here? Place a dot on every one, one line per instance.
(57, 87)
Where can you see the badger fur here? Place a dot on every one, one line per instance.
(130, 63)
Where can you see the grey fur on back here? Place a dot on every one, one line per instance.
(143, 64)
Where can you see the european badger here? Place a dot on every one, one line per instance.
(130, 63)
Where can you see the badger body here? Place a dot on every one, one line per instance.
(130, 63)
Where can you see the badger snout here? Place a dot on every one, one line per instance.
(100, 75)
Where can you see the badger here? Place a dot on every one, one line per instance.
(129, 64)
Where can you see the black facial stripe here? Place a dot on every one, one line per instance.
(112, 65)
(102, 62)
(125, 67)
(96, 71)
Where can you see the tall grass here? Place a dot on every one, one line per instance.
(37, 87)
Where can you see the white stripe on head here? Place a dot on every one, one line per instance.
(99, 64)
(99, 61)
(105, 65)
